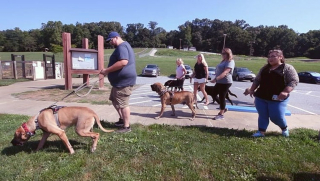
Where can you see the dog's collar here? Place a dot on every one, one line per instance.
(25, 128)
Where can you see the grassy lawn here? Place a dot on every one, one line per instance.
(160, 152)
(38, 56)
(165, 59)
(6, 82)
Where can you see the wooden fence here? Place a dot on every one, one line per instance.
(18, 69)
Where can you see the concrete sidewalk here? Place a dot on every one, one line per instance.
(144, 115)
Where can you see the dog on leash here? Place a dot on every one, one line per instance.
(213, 92)
(172, 84)
(82, 118)
(172, 98)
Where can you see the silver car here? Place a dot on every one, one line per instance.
(189, 71)
(212, 73)
(151, 70)
(243, 73)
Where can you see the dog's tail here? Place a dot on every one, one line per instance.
(232, 94)
(99, 124)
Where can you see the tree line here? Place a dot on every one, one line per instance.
(204, 34)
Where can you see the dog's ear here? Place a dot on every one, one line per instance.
(161, 86)
(153, 87)
(158, 88)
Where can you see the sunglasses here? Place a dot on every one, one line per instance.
(273, 56)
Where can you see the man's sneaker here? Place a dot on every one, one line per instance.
(285, 133)
(218, 117)
(124, 130)
(258, 134)
(119, 123)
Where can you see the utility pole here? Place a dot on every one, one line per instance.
(224, 40)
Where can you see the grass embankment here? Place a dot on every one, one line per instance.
(6, 82)
(165, 59)
(160, 152)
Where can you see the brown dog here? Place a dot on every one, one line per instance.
(172, 98)
(81, 117)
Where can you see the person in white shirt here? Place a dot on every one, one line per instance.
(180, 73)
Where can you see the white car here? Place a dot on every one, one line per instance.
(212, 73)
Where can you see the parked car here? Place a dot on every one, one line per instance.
(189, 71)
(192, 49)
(243, 73)
(309, 77)
(212, 73)
(151, 70)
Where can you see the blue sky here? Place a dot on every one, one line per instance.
(300, 15)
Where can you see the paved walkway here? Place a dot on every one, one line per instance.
(144, 115)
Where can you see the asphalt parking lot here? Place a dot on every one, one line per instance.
(305, 99)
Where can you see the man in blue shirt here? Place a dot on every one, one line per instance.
(122, 76)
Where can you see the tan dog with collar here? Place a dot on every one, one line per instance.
(169, 98)
(82, 118)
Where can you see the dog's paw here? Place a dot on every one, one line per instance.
(93, 149)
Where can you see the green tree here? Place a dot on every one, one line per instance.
(51, 33)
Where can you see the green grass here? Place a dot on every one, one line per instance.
(38, 56)
(166, 58)
(6, 82)
(30, 56)
(160, 152)
(167, 64)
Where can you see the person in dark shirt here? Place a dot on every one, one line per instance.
(122, 76)
(274, 83)
(200, 76)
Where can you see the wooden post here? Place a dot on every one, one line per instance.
(23, 67)
(53, 66)
(0, 70)
(66, 39)
(85, 45)
(14, 66)
(101, 59)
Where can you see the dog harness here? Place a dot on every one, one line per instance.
(163, 92)
(54, 109)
